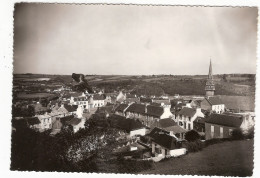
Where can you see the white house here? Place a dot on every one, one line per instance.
(186, 117)
(213, 104)
(45, 122)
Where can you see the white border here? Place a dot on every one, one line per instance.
(6, 68)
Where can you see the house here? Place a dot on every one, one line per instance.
(121, 109)
(66, 109)
(186, 116)
(59, 123)
(199, 124)
(222, 125)
(76, 123)
(132, 126)
(39, 108)
(163, 144)
(82, 100)
(133, 149)
(170, 126)
(145, 100)
(147, 114)
(96, 101)
(45, 122)
(213, 104)
(120, 97)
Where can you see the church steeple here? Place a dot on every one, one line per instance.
(210, 86)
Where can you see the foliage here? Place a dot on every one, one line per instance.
(237, 134)
(194, 146)
(192, 135)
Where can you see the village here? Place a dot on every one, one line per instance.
(151, 127)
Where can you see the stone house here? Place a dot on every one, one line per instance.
(222, 125)
(213, 104)
(186, 116)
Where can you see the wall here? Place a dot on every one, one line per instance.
(205, 105)
(141, 131)
(216, 131)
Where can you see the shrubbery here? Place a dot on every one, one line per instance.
(237, 134)
(194, 146)
(192, 136)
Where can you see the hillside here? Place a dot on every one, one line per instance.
(223, 159)
(235, 84)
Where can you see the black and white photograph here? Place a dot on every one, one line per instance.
(133, 89)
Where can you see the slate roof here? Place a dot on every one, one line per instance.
(154, 111)
(124, 123)
(146, 100)
(70, 108)
(200, 120)
(32, 120)
(163, 139)
(121, 107)
(190, 112)
(166, 122)
(214, 100)
(74, 121)
(80, 99)
(225, 120)
(175, 129)
(136, 108)
(98, 97)
(64, 120)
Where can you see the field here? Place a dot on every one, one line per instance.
(223, 159)
(34, 95)
(232, 84)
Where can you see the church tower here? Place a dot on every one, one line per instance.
(210, 86)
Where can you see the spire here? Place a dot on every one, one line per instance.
(210, 71)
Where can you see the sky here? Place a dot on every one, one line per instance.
(133, 40)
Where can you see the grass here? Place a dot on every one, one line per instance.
(225, 159)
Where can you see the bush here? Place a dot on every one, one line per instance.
(251, 133)
(237, 134)
(192, 136)
(194, 146)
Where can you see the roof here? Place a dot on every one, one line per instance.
(175, 129)
(82, 98)
(165, 101)
(121, 107)
(200, 120)
(32, 120)
(154, 111)
(105, 109)
(145, 100)
(163, 123)
(136, 108)
(225, 120)
(98, 97)
(66, 118)
(214, 100)
(190, 112)
(124, 123)
(73, 121)
(70, 108)
(163, 139)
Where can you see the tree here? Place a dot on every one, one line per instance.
(192, 136)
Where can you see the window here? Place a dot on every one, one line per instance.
(230, 132)
(212, 131)
(189, 118)
(221, 132)
(189, 127)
